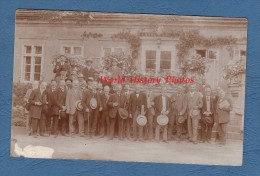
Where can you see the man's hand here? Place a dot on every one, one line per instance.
(130, 115)
(100, 109)
(87, 110)
(38, 103)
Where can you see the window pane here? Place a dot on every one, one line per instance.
(107, 51)
(202, 53)
(37, 69)
(165, 60)
(28, 49)
(28, 59)
(77, 50)
(96, 62)
(38, 49)
(212, 54)
(67, 50)
(28, 68)
(37, 77)
(27, 77)
(150, 57)
(37, 60)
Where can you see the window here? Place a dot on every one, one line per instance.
(242, 54)
(210, 54)
(96, 62)
(73, 50)
(150, 59)
(106, 51)
(165, 61)
(32, 63)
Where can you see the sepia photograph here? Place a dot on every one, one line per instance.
(129, 87)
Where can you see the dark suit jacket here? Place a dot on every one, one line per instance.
(36, 96)
(121, 100)
(212, 104)
(136, 103)
(88, 73)
(59, 101)
(194, 100)
(87, 95)
(58, 68)
(223, 115)
(104, 101)
(179, 104)
(158, 104)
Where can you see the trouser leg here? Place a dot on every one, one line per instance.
(135, 125)
(203, 130)
(140, 132)
(189, 124)
(120, 128)
(28, 123)
(102, 124)
(209, 131)
(35, 123)
(56, 124)
(80, 118)
(150, 127)
(165, 138)
(157, 132)
(128, 128)
(107, 125)
(43, 124)
(112, 127)
(94, 122)
(71, 124)
(195, 124)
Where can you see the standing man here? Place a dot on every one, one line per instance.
(224, 106)
(91, 111)
(35, 85)
(207, 120)
(37, 99)
(115, 101)
(194, 105)
(104, 125)
(88, 71)
(150, 114)
(115, 71)
(179, 108)
(137, 105)
(59, 109)
(51, 93)
(162, 105)
(74, 95)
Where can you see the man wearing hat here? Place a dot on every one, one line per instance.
(74, 95)
(88, 71)
(74, 75)
(179, 108)
(59, 109)
(116, 101)
(137, 106)
(194, 105)
(104, 122)
(207, 120)
(162, 106)
(115, 70)
(150, 113)
(61, 65)
(91, 105)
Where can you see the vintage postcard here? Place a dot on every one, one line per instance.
(129, 87)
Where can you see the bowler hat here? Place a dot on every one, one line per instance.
(162, 120)
(78, 105)
(93, 103)
(88, 60)
(141, 120)
(123, 113)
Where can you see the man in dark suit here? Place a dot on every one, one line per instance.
(38, 99)
(90, 111)
(179, 108)
(115, 101)
(51, 92)
(88, 71)
(137, 105)
(162, 105)
(104, 123)
(222, 118)
(208, 111)
(59, 109)
(60, 66)
(194, 105)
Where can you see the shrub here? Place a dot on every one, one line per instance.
(19, 91)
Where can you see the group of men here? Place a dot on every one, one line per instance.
(81, 106)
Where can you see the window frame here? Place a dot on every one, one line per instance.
(32, 65)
